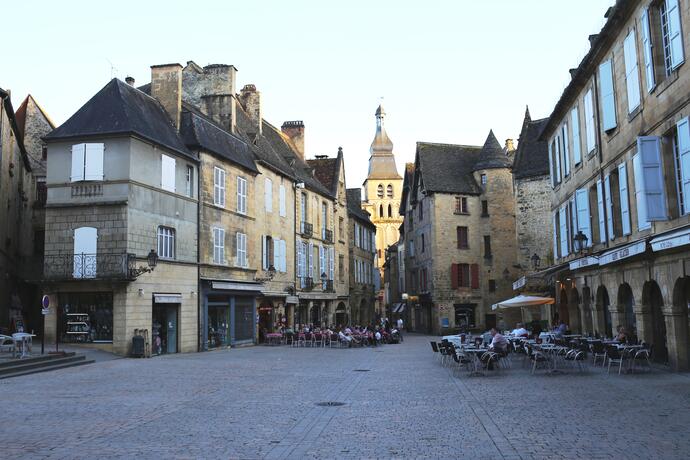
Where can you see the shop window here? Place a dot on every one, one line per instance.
(86, 317)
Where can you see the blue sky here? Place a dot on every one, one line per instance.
(448, 70)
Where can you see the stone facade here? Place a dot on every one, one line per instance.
(362, 261)
(533, 220)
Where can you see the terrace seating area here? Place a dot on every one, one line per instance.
(346, 337)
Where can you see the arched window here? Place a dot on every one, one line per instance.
(381, 214)
(390, 211)
(380, 190)
(389, 191)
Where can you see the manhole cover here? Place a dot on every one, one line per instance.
(362, 370)
(330, 403)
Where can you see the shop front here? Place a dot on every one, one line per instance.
(229, 313)
(85, 317)
(164, 327)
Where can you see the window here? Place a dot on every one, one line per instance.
(331, 263)
(669, 12)
(461, 205)
(649, 182)
(381, 214)
(389, 191)
(624, 200)
(421, 211)
(423, 243)
(608, 96)
(465, 276)
(632, 78)
(219, 187)
(487, 247)
(563, 227)
(582, 215)
(283, 206)
(485, 208)
(390, 211)
(167, 173)
(341, 267)
(268, 194)
(648, 56)
(357, 241)
(85, 250)
(492, 285)
(575, 122)
(241, 250)
(166, 242)
(303, 209)
(218, 246)
(482, 179)
(189, 181)
(564, 150)
(341, 223)
(44, 152)
(241, 195)
(600, 211)
(422, 280)
(463, 240)
(87, 162)
(554, 163)
(268, 253)
(324, 220)
(379, 191)
(590, 133)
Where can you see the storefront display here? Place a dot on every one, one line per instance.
(218, 326)
(86, 317)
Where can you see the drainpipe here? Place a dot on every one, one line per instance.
(199, 288)
(601, 159)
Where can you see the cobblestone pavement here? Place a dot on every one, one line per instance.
(260, 402)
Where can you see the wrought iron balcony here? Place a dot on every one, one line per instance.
(102, 266)
(327, 286)
(307, 283)
(327, 236)
(306, 229)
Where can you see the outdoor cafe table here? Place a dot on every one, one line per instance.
(274, 338)
(476, 356)
(551, 353)
(23, 340)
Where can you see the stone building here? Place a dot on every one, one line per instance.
(382, 190)
(459, 236)
(121, 188)
(618, 143)
(362, 254)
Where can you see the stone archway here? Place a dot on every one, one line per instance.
(603, 324)
(587, 323)
(574, 312)
(681, 317)
(363, 318)
(654, 301)
(341, 316)
(563, 313)
(626, 308)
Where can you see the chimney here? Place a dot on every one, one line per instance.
(166, 86)
(251, 101)
(221, 108)
(129, 80)
(509, 147)
(592, 39)
(213, 92)
(295, 131)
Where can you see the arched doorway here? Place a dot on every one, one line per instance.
(315, 314)
(362, 315)
(626, 302)
(681, 303)
(654, 300)
(604, 312)
(563, 314)
(587, 323)
(340, 315)
(265, 319)
(574, 312)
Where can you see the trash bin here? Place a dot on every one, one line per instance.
(137, 346)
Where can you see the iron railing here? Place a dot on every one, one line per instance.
(328, 236)
(102, 266)
(306, 229)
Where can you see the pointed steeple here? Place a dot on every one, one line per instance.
(382, 162)
(492, 155)
(527, 115)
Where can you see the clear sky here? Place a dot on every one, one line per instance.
(449, 70)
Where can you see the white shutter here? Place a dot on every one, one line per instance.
(632, 78)
(331, 263)
(167, 173)
(609, 206)
(608, 97)
(584, 224)
(641, 202)
(93, 162)
(78, 155)
(85, 250)
(300, 259)
(600, 210)
(647, 48)
(283, 255)
(674, 33)
(322, 265)
(563, 221)
(310, 260)
(589, 122)
(652, 175)
(575, 122)
(555, 235)
(551, 167)
(276, 255)
(268, 194)
(572, 231)
(283, 209)
(559, 173)
(264, 252)
(625, 201)
(683, 128)
(566, 153)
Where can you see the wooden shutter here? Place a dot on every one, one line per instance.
(600, 210)
(583, 216)
(276, 262)
(652, 175)
(78, 154)
(264, 252)
(310, 260)
(641, 203)
(566, 153)
(281, 198)
(683, 128)
(674, 33)
(93, 161)
(589, 122)
(648, 56)
(167, 173)
(454, 276)
(609, 207)
(557, 153)
(575, 122)
(268, 194)
(608, 97)
(474, 269)
(555, 235)
(331, 264)
(572, 213)
(551, 169)
(563, 224)
(632, 79)
(624, 199)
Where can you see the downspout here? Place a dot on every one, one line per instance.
(601, 159)
(199, 295)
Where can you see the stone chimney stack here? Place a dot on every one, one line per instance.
(212, 90)
(166, 86)
(509, 147)
(295, 131)
(221, 108)
(129, 80)
(251, 101)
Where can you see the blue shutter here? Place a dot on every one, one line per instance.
(575, 122)
(590, 126)
(78, 156)
(640, 201)
(551, 167)
(608, 97)
(583, 216)
(557, 154)
(683, 128)
(674, 33)
(566, 156)
(555, 235)
(652, 175)
(600, 209)
(572, 212)
(609, 207)
(647, 46)
(563, 223)
(625, 203)
(632, 78)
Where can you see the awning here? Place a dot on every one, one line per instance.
(167, 298)
(584, 262)
(671, 240)
(523, 301)
(398, 308)
(623, 252)
(230, 286)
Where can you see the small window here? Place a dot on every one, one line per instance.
(87, 162)
(381, 214)
(485, 208)
(341, 268)
(463, 240)
(461, 206)
(421, 211)
(379, 191)
(189, 187)
(166, 242)
(492, 285)
(483, 179)
(341, 235)
(423, 243)
(218, 246)
(241, 195)
(389, 191)
(268, 194)
(44, 153)
(167, 173)
(219, 187)
(390, 211)
(487, 247)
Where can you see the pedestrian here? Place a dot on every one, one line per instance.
(400, 328)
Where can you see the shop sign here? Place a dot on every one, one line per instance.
(584, 262)
(673, 240)
(520, 283)
(292, 299)
(623, 253)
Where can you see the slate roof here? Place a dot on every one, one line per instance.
(354, 206)
(447, 168)
(119, 108)
(198, 131)
(9, 110)
(407, 186)
(532, 155)
(327, 171)
(492, 155)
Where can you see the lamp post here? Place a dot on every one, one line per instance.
(536, 260)
(151, 261)
(580, 242)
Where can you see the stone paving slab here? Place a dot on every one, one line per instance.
(260, 402)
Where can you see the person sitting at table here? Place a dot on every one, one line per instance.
(520, 331)
(622, 335)
(561, 329)
(499, 344)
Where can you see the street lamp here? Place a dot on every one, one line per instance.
(151, 260)
(580, 242)
(536, 260)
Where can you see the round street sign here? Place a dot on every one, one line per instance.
(45, 301)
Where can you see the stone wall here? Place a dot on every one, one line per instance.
(533, 221)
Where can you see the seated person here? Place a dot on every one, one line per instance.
(622, 335)
(520, 331)
(499, 344)
(561, 329)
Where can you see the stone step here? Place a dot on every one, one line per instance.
(43, 366)
(36, 359)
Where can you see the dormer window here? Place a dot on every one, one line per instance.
(87, 162)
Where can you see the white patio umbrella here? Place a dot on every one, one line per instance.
(523, 301)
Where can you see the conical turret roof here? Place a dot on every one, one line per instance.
(492, 155)
(382, 162)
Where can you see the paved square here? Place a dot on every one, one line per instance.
(260, 402)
